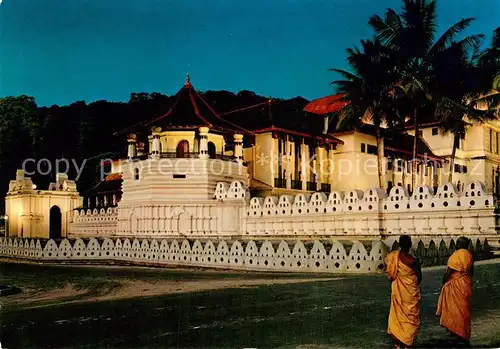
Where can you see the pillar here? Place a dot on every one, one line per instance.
(155, 152)
(320, 164)
(131, 153)
(326, 124)
(288, 159)
(303, 164)
(238, 147)
(204, 142)
(331, 167)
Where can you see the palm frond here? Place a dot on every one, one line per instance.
(345, 73)
(449, 35)
(387, 30)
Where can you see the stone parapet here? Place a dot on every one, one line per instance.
(285, 256)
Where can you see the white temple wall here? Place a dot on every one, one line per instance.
(286, 256)
(94, 223)
(169, 180)
(355, 213)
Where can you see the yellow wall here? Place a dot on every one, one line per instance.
(475, 145)
(353, 169)
(262, 160)
(219, 142)
(170, 139)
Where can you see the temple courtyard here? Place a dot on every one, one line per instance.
(69, 306)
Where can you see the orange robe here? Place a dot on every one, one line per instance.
(454, 301)
(404, 316)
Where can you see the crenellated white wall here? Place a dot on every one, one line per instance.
(96, 223)
(353, 214)
(287, 256)
(372, 213)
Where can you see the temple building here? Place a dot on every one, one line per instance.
(210, 169)
(293, 146)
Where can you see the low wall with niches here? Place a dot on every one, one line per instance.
(447, 212)
(96, 222)
(284, 256)
(352, 215)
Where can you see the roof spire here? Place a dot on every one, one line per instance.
(188, 80)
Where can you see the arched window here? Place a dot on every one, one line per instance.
(182, 150)
(211, 150)
(136, 174)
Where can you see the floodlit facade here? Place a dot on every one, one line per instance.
(197, 177)
(31, 212)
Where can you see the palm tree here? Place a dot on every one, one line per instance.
(489, 60)
(411, 36)
(462, 85)
(369, 92)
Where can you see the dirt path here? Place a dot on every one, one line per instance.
(131, 289)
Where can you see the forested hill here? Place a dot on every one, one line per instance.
(84, 131)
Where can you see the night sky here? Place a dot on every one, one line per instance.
(60, 51)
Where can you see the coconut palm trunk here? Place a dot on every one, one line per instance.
(415, 152)
(456, 138)
(380, 160)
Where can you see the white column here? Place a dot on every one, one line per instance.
(131, 139)
(325, 124)
(203, 142)
(320, 166)
(331, 167)
(238, 147)
(155, 152)
(288, 159)
(303, 167)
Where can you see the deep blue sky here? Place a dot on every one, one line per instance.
(60, 51)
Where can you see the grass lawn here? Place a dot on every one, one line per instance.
(317, 313)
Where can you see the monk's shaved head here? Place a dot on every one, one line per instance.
(462, 242)
(405, 242)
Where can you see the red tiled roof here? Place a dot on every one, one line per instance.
(113, 177)
(112, 183)
(189, 111)
(326, 105)
(277, 115)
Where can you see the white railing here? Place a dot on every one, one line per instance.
(286, 256)
(96, 222)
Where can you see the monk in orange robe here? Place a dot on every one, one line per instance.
(405, 274)
(454, 300)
